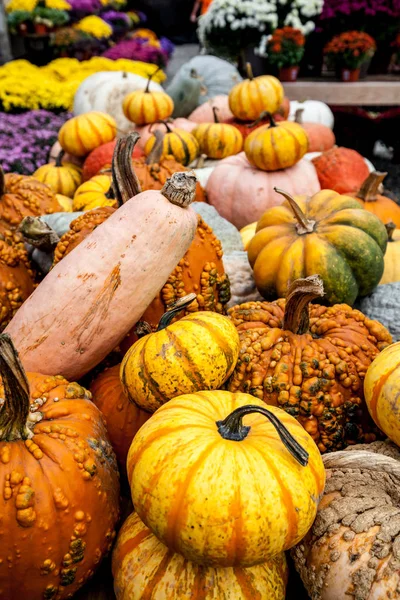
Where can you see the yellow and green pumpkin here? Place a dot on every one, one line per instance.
(63, 179)
(95, 193)
(326, 234)
(218, 140)
(223, 480)
(180, 144)
(249, 98)
(144, 107)
(83, 133)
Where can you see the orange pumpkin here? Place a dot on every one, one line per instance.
(218, 140)
(372, 200)
(82, 134)
(60, 491)
(123, 418)
(143, 106)
(16, 277)
(341, 169)
(320, 137)
(249, 98)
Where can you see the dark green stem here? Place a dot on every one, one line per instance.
(59, 158)
(179, 305)
(149, 79)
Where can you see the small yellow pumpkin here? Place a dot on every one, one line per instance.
(249, 98)
(64, 202)
(82, 134)
(248, 232)
(221, 484)
(198, 352)
(391, 272)
(276, 146)
(144, 107)
(63, 179)
(95, 193)
(218, 140)
(178, 143)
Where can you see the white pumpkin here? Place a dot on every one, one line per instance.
(314, 111)
(311, 155)
(104, 91)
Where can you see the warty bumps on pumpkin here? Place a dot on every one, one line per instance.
(90, 300)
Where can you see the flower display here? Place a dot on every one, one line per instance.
(350, 49)
(85, 6)
(286, 47)
(337, 8)
(26, 139)
(95, 26)
(23, 5)
(136, 49)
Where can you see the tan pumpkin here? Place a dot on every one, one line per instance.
(276, 146)
(144, 106)
(82, 134)
(180, 144)
(320, 136)
(142, 565)
(218, 140)
(249, 98)
(204, 112)
(63, 179)
(391, 272)
(95, 193)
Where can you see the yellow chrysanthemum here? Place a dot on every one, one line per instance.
(95, 26)
(58, 4)
(28, 5)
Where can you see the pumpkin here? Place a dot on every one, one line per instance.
(79, 229)
(224, 492)
(66, 158)
(143, 107)
(101, 158)
(147, 131)
(391, 272)
(105, 91)
(60, 488)
(185, 92)
(205, 112)
(62, 179)
(64, 202)
(180, 144)
(123, 418)
(276, 146)
(95, 193)
(341, 169)
(309, 360)
(284, 109)
(247, 233)
(198, 352)
(142, 563)
(327, 234)
(241, 193)
(314, 111)
(23, 196)
(320, 137)
(82, 134)
(249, 98)
(351, 550)
(369, 197)
(79, 318)
(218, 140)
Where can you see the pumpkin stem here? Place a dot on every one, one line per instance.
(16, 420)
(150, 77)
(200, 161)
(124, 180)
(303, 224)
(232, 428)
(370, 188)
(260, 118)
(297, 318)
(215, 113)
(390, 228)
(298, 117)
(38, 234)
(176, 307)
(155, 155)
(180, 188)
(142, 328)
(59, 158)
(249, 71)
(168, 128)
(2, 182)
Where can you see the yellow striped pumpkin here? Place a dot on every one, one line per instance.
(218, 140)
(144, 107)
(142, 567)
(63, 179)
(82, 134)
(95, 193)
(198, 352)
(218, 482)
(178, 143)
(249, 98)
(276, 146)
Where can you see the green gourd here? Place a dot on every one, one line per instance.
(185, 90)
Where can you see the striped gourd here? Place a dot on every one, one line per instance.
(143, 107)
(249, 98)
(178, 143)
(218, 140)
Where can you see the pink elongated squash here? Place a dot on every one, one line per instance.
(93, 297)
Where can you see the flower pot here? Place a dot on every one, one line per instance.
(288, 73)
(350, 75)
(40, 29)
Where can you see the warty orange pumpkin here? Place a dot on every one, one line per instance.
(197, 352)
(222, 480)
(180, 144)
(218, 140)
(249, 98)
(309, 360)
(276, 146)
(62, 178)
(60, 487)
(144, 107)
(374, 201)
(143, 565)
(95, 193)
(83, 133)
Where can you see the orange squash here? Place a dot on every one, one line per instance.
(372, 200)
(249, 98)
(320, 137)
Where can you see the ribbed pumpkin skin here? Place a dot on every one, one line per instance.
(381, 388)
(341, 169)
(143, 108)
(247, 233)
(249, 98)
(82, 134)
(64, 202)
(345, 248)
(142, 565)
(221, 502)
(218, 140)
(180, 144)
(123, 418)
(92, 194)
(62, 180)
(275, 147)
(198, 352)
(392, 259)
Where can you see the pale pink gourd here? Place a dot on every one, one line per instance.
(93, 297)
(147, 131)
(320, 136)
(204, 113)
(241, 193)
